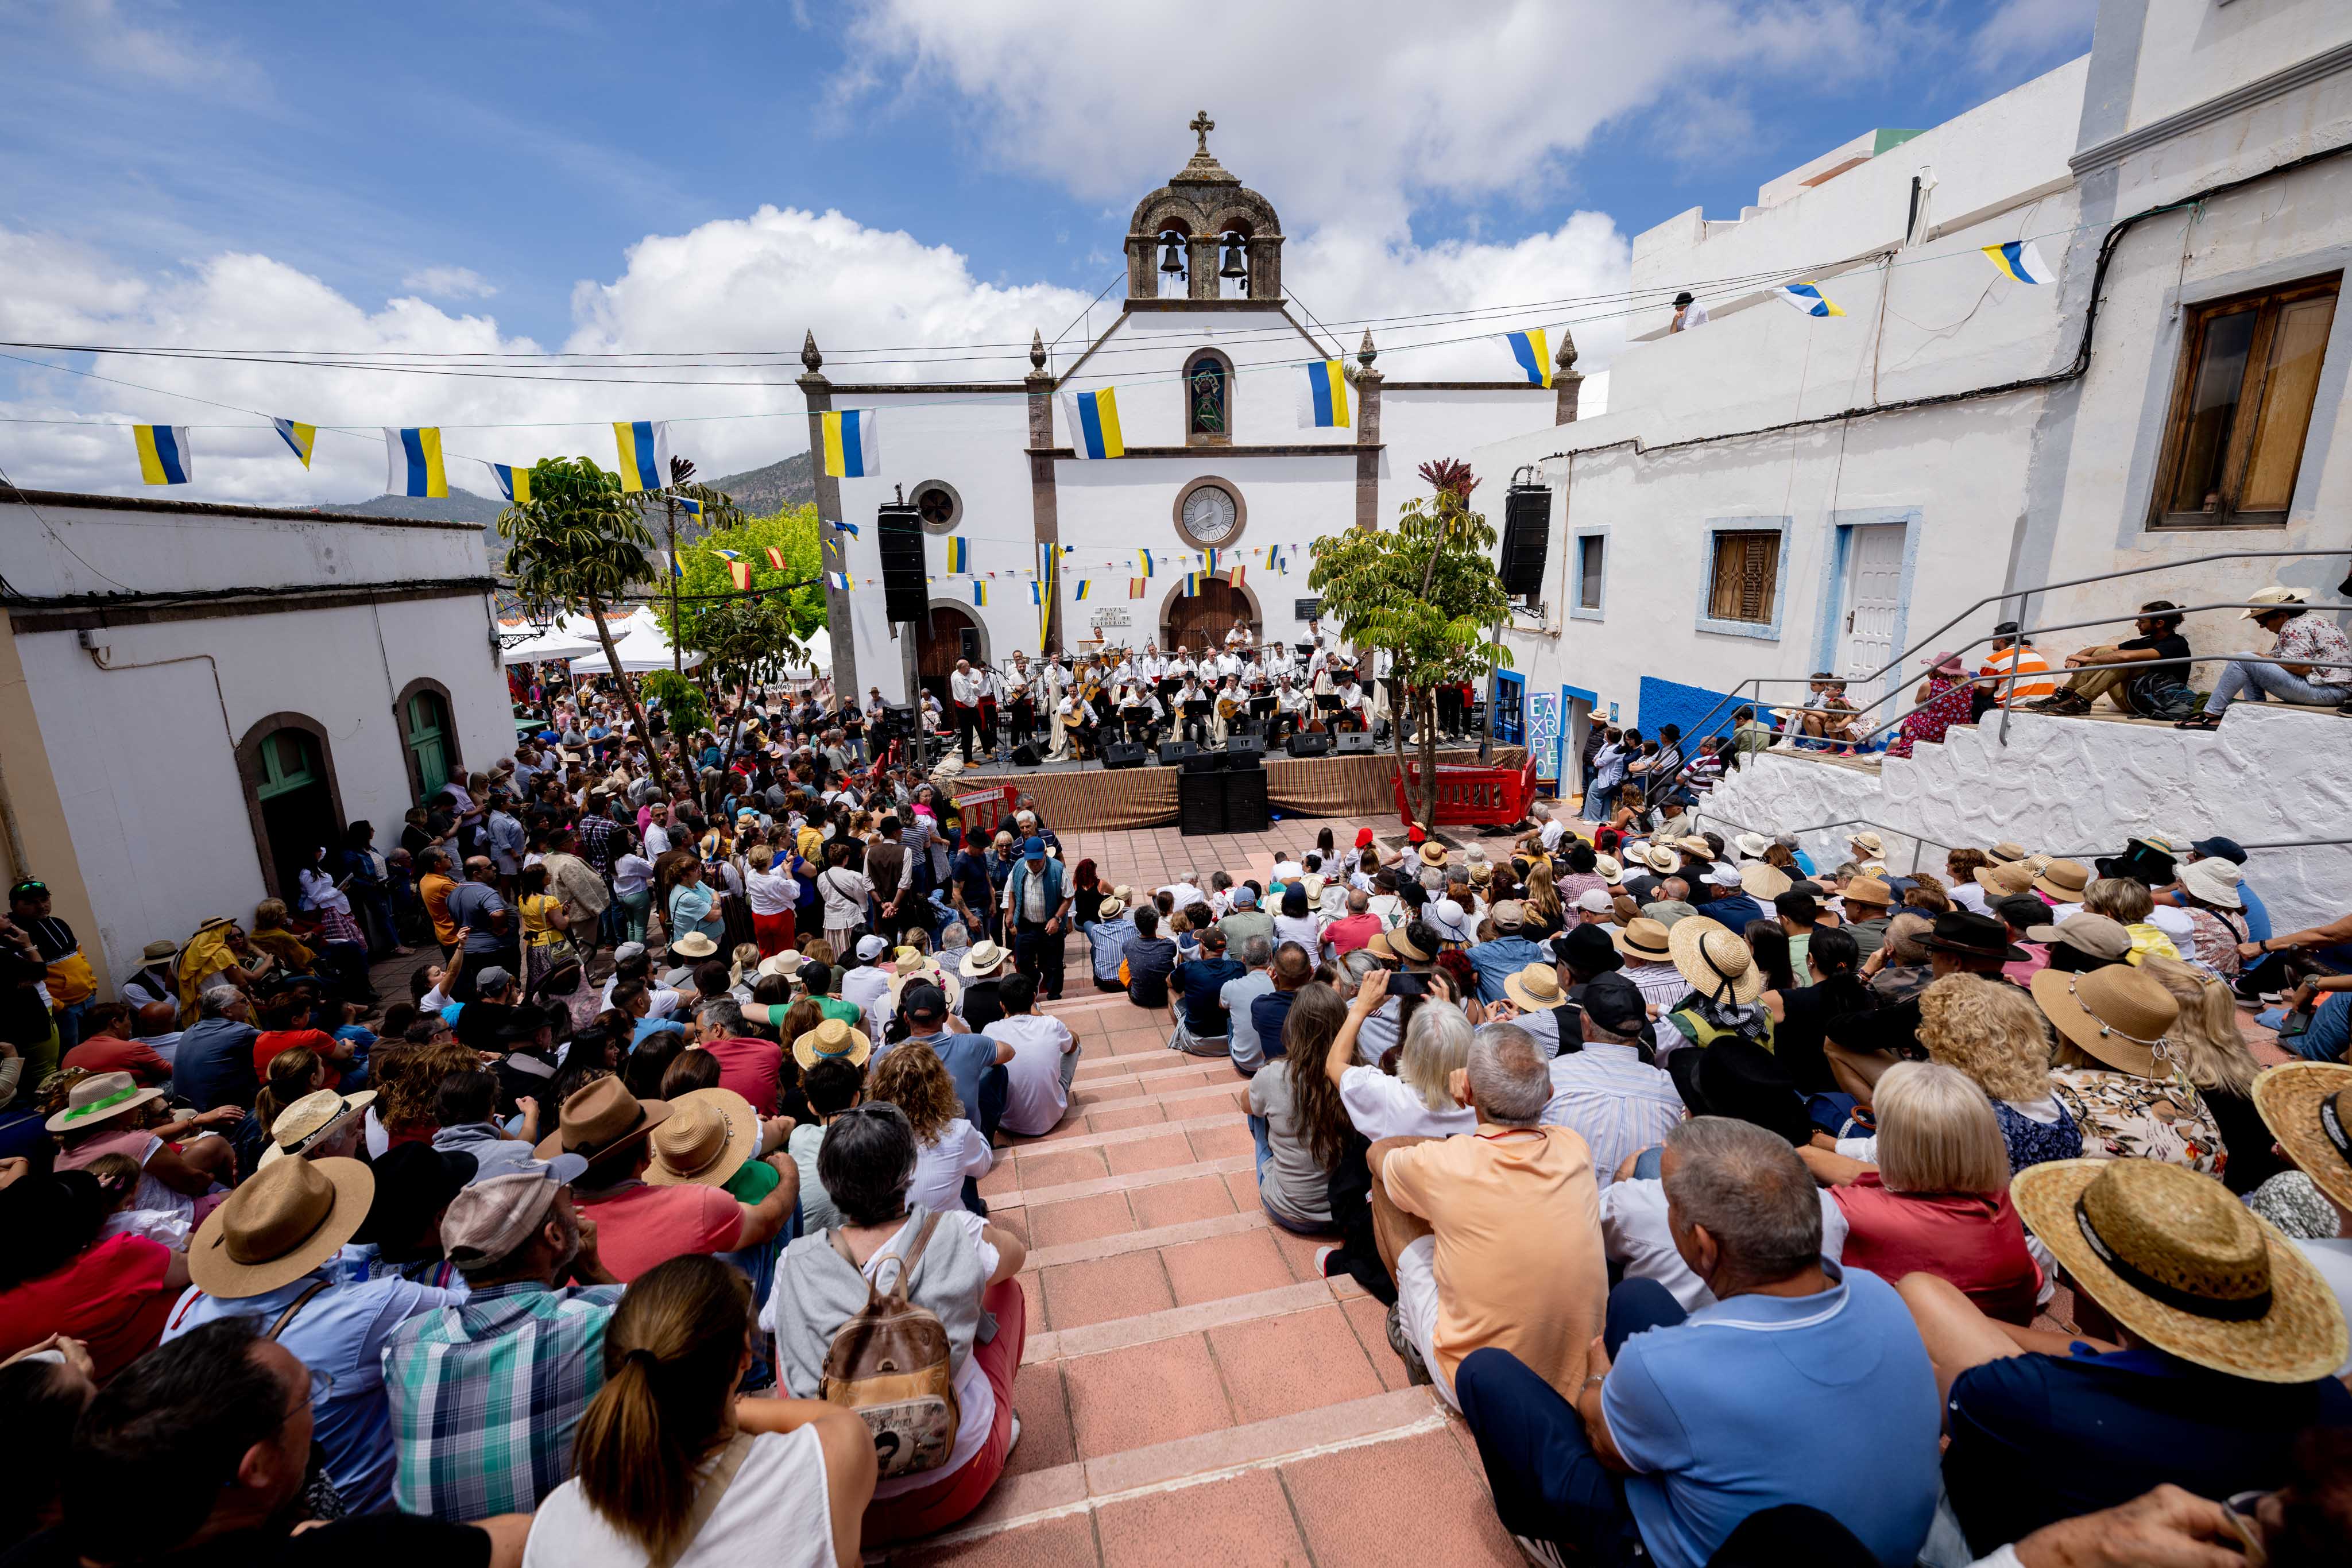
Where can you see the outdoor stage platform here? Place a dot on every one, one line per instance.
(1080, 797)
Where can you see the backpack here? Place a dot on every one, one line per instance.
(893, 1363)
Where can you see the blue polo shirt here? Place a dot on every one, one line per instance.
(1826, 1400)
(1497, 961)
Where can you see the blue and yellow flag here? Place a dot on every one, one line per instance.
(1085, 585)
(163, 452)
(689, 507)
(853, 450)
(840, 580)
(1323, 400)
(644, 453)
(513, 483)
(2019, 259)
(1143, 559)
(979, 590)
(1532, 350)
(298, 436)
(1808, 299)
(412, 462)
(1093, 421)
(959, 556)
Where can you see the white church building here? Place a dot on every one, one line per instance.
(1205, 381)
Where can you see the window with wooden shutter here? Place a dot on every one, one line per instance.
(1747, 574)
(2242, 405)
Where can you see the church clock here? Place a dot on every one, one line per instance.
(1209, 513)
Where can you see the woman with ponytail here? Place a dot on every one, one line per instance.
(1802, 1015)
(672, 1469)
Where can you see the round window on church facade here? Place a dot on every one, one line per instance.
(937, 503)
(1210, 513)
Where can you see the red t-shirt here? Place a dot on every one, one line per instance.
(110, 1296)
(105, 1053)
(270, 1041)
(751, 1068)
(1976, 1242)
(640, 1226)
(1352, 932)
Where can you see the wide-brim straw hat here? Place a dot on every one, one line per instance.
(928, 971)
(1712, 956)
(311, 1119)
(833, 1041)
(1536, 987)
(1607, 869)
(2175, 1259)
(1662, 860)
(600, 1119)
(1692, 844)
(709, 1135)
(1763, 880)
(694, 944)
(2307, 1108)
(2007, 852)
(1644, 940)
(1752, 845)
(2213, 882)
(1432, 853)
(100, 1097)
(785, 966)
(1110, 909)
(985, 958)
(2119, 1014)
(2005, 879)
(1868, 890)
(277, 1226)
(1869, 841)
(1396, 944)
(2063, 880)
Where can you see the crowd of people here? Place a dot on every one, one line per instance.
(1748, 1204)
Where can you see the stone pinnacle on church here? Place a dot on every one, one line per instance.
(1037, 350)
(809, 356)
(1365, 352)
(1565, 358)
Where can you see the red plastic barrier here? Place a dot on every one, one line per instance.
(1471, 795)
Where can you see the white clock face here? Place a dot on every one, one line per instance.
(1210, 514)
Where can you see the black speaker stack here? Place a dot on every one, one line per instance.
(1228, 802)
(1245, 751)
(1123, 754)
(905, 592)
(1356, 743)
(1317, 743)
(1527, 534)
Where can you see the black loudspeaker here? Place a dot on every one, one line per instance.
(1307, 745)
(1199, 804)
(1244, 751)
(905, 592)
(1527, 534)
(1026, 756)
(1123, 754)
(1356, 743)
(1169, 753)
(1245, 801)
(1205, 762)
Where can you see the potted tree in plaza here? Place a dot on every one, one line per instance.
(1427, 592)
(576, 546)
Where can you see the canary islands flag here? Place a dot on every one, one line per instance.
(163, 452)
(840, 580)
(1093, 419)
(979, 592)
(1532, 350)
(298, 437)
(412, 462)
(1323, 400)
(959, 556)
(513, 483)
(740, 571)
(644, 453)
(2019, 259)
(690, 506)
(1143, 559)
(1085, 585)
(1807, 297)
(852, 449)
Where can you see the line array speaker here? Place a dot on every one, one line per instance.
(1527, 534)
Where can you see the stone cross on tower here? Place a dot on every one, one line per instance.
(1200, 125)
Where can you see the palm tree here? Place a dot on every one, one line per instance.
(578, 544)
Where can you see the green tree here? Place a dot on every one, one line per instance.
(1427, 592)
(747, 636)
(682, 703)
(575, 546)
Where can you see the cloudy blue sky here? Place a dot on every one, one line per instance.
(894, 173)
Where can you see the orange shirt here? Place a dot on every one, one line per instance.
(1518, 1260)
(436, 889)
(2030, 663)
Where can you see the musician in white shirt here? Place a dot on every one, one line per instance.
(1138, 708)
(1355, 707)
(1074, 721)
(1290, 709)
(965, 688)
(1188, 694)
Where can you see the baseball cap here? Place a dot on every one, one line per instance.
(871, 947)
(1244, 899)
(490, 1220)
(2218, 848)
(1034, 849)
(626, 952)
(923, 1000)
(491, 978)
(1615, 1004)
(1593, 901)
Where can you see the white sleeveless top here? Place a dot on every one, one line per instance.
(777, 1514)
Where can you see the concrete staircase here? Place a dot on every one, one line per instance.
(1191, 1389)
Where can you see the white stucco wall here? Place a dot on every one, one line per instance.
(2190, 50)
(2075, 788)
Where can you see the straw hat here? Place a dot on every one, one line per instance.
(2265, 599)
(158, 952)
(1399, 946)
(2094, 934)
(694, 944)
(1607, 869)
(2007, 852)
(2005, 879)
(1536, 987)
(286, 1221)
(709, 1135)
(1662, 860)
(1111, 909)
(312, 1119)
(1313, 882)
(783, 966)
(985, 959)
(2213, 882)
(2175, 1259)
(1450, 921)
(2063, 880)
(1710, 957)
(1763, 880)
(599, 1119)
(1432, 853)
(100, 1097)
(2119, 1014)
(1692, 844)
(1644, 940)
(1868, 843)
(830, 1041)
(1869, 890)
(1481, 874)
(1752, 845)
(2305, 1105)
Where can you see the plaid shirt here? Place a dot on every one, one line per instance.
(484, 1396)
(595, 832)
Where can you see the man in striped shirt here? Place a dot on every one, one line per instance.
(1604, 1089)
(2012, 654)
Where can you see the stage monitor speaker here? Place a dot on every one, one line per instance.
(1026, 756)
(1244, 751)
(1245, 803)
(1123, 754)
(1199, 804)
(1527, 533)
(1169, 753)
(905, 591)
(1205, 762)
(1317, 744)
(1356, 743)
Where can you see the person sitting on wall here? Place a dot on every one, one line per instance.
(2115, 670)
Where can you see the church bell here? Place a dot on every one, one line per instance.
(1171, 260)
(1234, 267)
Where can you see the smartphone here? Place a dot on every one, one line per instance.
(1405, 984)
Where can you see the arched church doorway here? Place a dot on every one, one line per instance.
(1202, 620)
(290, 794)
(950, 633)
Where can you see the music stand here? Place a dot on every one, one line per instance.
(1197, 712)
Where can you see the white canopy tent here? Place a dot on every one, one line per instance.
(573, 637)
(815, 657)
(643, 650)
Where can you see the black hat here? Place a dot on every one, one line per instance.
(923, 999)
(525, 1023)
(1683, 299)
(1971, 935)
(1615, 1004)
(1742, 1080)
(1586, 948)
(413, 1183)
(2218, 848)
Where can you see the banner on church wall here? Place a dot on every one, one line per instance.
(1102, 618)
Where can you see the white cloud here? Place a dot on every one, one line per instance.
(449, 282)
(150, 41)
(2025, 30)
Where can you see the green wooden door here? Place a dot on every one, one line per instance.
(428, 740)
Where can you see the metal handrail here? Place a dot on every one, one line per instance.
(1918, 839)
